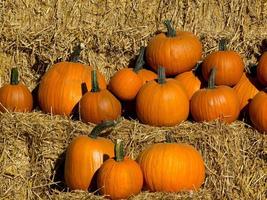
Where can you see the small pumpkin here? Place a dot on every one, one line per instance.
(163, 102)
(229, 64)
(172, 167)
(98, 104)
(190, 81)
(126, 82)
(245, 89)
(60, 88)
(258, 110)
(215, 102)
(84, 155)
(262, 69)
(178, 51)
(119, 177)
(15, 96)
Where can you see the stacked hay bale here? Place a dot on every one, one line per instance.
(41, 32)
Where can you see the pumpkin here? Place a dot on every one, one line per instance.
(262, 69)
(60, 88)
(190, 81)
(119, 177)
(126, 82)
(245, 89)
(85, 155)
(99, 105)
(163, 102)
(215, 102)
(172, 167)
(257, 111)
(229, 64)
(178, 51)
(15, 96)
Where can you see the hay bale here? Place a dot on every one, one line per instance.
(14, 161)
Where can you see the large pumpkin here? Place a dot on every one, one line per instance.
(98, 104)
(60, 88)
(178, 51)
(190, 81)
(229, 64)
(15, 96)
(126, 82)
(163, 102)
(258, 110)
(172, 167)
(119, 177)
(262, 69)
(215, 102)
(245, 89)
(85, 155)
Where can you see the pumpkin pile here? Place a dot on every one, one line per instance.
(169, 83)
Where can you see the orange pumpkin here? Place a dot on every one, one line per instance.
(60, 88)
(15, 97)
(85, 155)
(178, 51)
(229, 64)
(99, 105)
(258, 110)
(163, 102)
(220, 102)
(126, 82)
(172, 167)
(262, 69)
(119, 177)
(190, 81)
(245, 89)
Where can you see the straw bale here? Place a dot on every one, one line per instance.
(14, 161)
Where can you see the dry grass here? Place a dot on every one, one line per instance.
(34, 34)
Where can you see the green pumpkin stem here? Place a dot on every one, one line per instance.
(14, 78)
(171, 32)
(118, 149)
(75, 55)
(161, 75)
(223, 44)
(140, 60)
(102, 126)
(211, 81)
(95, 85)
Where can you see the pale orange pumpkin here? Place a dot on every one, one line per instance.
(172, 167)
(60, 88)
(15, 96)
(178, 51)
(119, 177)
(84, 155)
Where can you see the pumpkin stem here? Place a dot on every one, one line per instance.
(223, 44)
(171, 32)
(14, 79)
(161, 75)
(95, 86)
(119, 153)
(75, 55)
(169, 138)
(102, 126)
(211, 81)
(140, 60)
